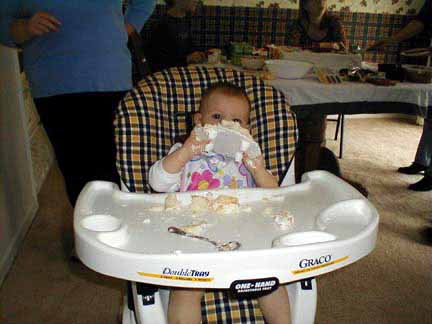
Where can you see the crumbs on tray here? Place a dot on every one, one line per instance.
(222, 204)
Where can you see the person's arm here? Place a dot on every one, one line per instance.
(294, 33)
(175, 162)
(17, 27)
(22, 30)
(339, 34)
(137, 13)
(262, 177)
(412, 29)
(162, 181)
(165, 174)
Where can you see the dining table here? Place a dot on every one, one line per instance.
(312, 101)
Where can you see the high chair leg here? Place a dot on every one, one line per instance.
(303, 300)
(147, 306)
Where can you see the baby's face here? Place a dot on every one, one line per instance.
(222, 107)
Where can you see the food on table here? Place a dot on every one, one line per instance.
(225, 204)
(251, 62)
(288, 69)
(283, 219)
(171, 202)
(418, 73)
(199, 203)
(156, 208)
(196, 228)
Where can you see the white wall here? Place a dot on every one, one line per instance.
(18, 201)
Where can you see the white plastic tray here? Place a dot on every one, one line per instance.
(117, 235)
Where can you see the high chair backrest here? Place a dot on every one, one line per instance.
(154, 114)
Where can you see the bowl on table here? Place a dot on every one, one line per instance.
(417, 73)
(250, 62)
(288, 69)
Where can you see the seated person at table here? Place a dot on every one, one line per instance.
(222, 101)
(170, 42)
(421, 22)
(422, 162)
(316, 28)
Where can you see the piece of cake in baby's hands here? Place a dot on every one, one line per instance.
(228, 138)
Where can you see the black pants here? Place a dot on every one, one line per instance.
(80, 128)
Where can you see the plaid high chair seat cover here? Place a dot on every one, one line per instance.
(154, 114)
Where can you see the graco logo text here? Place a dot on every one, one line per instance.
(305, 263)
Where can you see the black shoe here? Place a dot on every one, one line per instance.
(414, 168)
(427, 234)
(424, 184)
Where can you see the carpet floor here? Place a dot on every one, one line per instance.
(391, 285)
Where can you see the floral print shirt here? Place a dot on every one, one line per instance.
(203, 172)
(214, 171)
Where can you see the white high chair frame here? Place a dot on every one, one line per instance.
(146, 304)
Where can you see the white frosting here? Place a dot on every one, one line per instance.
(156, 208)
(284, 219)
(225, 204)
(171, 202)
(196, 228)
(240, 137)
(199, 203)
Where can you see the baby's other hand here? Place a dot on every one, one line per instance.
(193, 145)
(262, 177)
(254, 165)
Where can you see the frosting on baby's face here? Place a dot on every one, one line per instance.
(223, 107)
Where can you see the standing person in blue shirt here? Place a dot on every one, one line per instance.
(76, 59)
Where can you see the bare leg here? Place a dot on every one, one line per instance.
(185, 306)
(275, 307)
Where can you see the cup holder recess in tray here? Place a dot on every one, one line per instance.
(109, 228)
(101, 223)
(301, 238)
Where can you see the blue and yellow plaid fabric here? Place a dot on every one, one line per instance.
(153, 115)
(217, 26)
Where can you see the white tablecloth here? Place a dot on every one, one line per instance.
(311, 91)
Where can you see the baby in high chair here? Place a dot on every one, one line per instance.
(187, 167)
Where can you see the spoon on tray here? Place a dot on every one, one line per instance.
(227, 246)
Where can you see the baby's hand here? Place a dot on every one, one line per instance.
(262, 177)
(254, 165)
(193, 145)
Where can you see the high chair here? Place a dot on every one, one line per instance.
(158, 110)
(335, 225)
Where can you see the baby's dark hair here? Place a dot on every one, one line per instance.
(225, 88)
